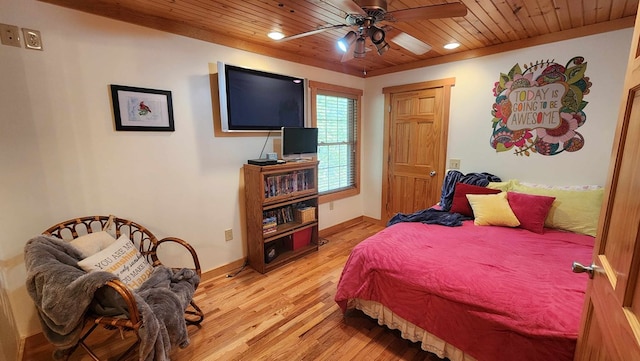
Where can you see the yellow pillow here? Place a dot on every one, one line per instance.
(573, 210)
(492, 210)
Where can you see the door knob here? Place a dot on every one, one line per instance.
(579, 268)
(432, 173)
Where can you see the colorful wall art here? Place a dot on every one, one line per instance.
(539, 110)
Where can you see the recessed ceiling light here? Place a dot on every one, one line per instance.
(275, 35)
(451, 46)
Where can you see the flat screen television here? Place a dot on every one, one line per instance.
(253, 100)
(298, 141)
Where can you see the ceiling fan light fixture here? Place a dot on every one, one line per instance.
(360, 49)
(345, 43)
(382, 47)
(377, 35)
(451, 45)
(276, 35)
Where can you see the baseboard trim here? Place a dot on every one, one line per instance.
(340, 227)
(378, 222)
(224, 269)
(32, 342)
(348, 224)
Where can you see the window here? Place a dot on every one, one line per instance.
(336, 114)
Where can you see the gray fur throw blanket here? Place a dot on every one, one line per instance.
(63, 294)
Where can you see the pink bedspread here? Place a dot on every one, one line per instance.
(496, 293)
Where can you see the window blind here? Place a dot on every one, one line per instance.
(336, 119)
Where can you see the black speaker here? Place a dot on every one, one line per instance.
(270, 254)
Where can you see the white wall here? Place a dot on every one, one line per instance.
(61, 157)
(470, 124)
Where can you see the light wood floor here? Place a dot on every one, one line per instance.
(286, 314)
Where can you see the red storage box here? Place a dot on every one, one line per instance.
(301, 238)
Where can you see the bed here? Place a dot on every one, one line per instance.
(479, 292)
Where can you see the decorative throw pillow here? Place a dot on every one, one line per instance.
(492, 210)
(577, 187)
(503, 186)
(573, 210)
(531, 210)
(123, 259)
(460, 203)
(92, 243)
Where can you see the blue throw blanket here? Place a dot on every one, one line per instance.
(442, 216)
(430, 216)
(454, 176)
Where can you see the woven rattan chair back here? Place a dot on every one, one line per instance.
(147, 244)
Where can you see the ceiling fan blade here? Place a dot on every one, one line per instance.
(313, 32)
(451, 10)
(348, 6)
(410, 43)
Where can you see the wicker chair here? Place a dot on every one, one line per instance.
(148, 245)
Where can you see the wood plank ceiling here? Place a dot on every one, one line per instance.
(490, 26)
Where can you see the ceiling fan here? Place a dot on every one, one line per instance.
(364, 15)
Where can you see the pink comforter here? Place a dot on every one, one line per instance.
(496, 293)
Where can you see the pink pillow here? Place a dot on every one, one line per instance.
(460, 203)
(531, 210)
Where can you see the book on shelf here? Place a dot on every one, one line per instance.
(282, 215)
(269, 230)
(269, 225)
(281, 184)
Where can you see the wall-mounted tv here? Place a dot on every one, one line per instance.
(253, 100)
(298, 141)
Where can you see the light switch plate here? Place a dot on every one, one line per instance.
(10, 35)
(32, 39)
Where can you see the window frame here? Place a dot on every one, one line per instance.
(319, 88)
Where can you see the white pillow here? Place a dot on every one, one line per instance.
(586, 187)
(121, 258)
(92, 243)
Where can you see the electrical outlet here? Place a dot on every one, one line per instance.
(228, 234)
(32, 39)
(454, 163)
(10, 35)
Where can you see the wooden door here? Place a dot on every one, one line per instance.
(415, 146)
(610, 328)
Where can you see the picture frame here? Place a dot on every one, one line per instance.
(142, 109)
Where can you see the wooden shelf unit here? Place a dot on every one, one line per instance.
(278, 190)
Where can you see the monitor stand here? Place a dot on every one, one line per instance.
(298, 158)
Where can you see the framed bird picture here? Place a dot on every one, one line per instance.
(141, 109)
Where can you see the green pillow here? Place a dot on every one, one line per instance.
(573, 210)
(503, 186)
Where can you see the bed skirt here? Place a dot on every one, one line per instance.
(408, 330)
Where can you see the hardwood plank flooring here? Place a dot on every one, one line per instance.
(286, 314)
